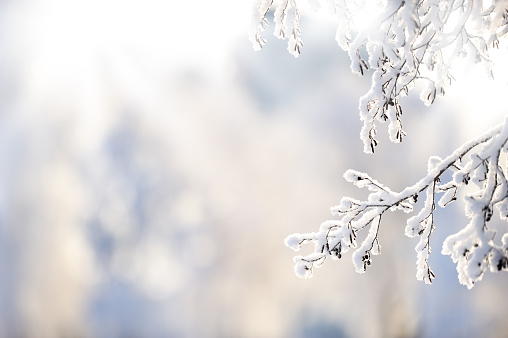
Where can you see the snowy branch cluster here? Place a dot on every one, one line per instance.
(405, 42)
(287, 22)
(402, 41)
(473, 248)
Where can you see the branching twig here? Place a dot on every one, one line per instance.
(406, 41)
(472, 248)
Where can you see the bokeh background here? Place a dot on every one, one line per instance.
(151, 165)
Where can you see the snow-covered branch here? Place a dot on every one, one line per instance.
(287, 24)
(402, 42)
(473, 248)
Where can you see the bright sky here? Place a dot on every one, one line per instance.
(62, 33)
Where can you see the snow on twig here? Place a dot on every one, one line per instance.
(472, 248)
(402, 42)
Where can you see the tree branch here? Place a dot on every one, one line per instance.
(472, 248)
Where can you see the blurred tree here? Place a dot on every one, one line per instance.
(406, 43)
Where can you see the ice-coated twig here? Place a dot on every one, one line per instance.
(405, 41)
(472, 248)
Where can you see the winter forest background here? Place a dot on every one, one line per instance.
(152, 164)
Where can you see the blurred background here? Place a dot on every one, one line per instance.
(151, 165)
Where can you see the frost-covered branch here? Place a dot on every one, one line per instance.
(472, 248)
(402, 42)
